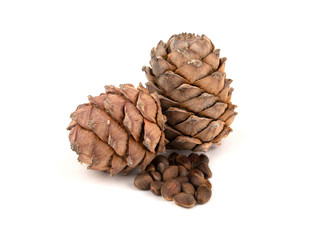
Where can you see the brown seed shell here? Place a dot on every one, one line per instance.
(183, 172)
(161, 167)
(196, 180)
(156, 176)
(172, 158)
(194, 158)
(170, 172)
(204, 158)
(151, 167)
(203, 194)
(196, 171)
(185, 161)
(204, 167)
(187, 188)
(160, 158)
(142, 181)
(183, 179)
(170, 189)
(184, 200)
(155, 187)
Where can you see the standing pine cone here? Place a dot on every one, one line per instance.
(118, 130)
(194, 92)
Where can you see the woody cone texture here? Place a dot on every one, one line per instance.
(118, 130)
(189, 77)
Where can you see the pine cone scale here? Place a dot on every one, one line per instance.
(117, 164)
(88, 146)
(133, 120)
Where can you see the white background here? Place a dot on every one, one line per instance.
(265, 174)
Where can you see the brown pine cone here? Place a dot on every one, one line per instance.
(118, 130)
(189, 76)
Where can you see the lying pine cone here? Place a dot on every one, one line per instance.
(179, 178)
(118, 130)
(195, 94)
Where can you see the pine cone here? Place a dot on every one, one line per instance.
(118, 130)
(195, 94)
